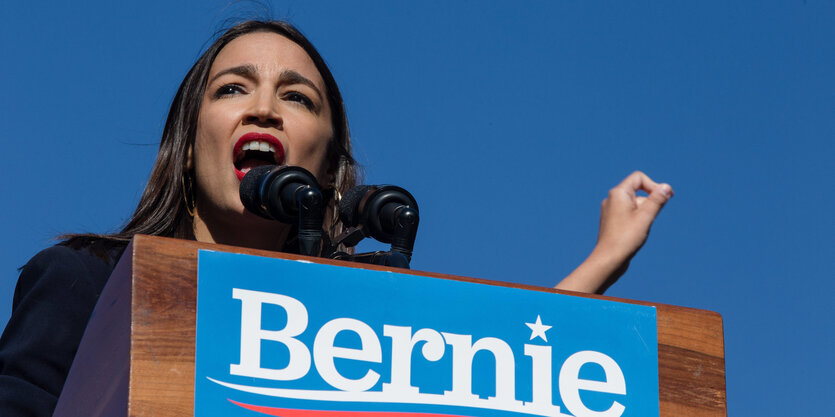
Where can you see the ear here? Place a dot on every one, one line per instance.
(189, 158)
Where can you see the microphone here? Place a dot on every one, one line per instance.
(386, 212)
(288, 194)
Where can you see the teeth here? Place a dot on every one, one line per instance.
(256, 146)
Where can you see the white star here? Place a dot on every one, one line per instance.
(538, 329)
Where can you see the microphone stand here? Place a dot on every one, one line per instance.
(405, 232)
(381, 258)
(402, 242)
(311, 214)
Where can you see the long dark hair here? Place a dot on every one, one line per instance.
(162, 209)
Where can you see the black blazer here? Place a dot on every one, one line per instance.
(54, 298)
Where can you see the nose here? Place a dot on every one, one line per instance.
(263, 111)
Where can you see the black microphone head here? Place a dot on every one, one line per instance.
(349, 206)
(251, 189)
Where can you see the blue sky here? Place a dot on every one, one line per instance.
(472, 105)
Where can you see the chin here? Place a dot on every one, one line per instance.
(251, 218)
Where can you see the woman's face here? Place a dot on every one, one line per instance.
(265, 103)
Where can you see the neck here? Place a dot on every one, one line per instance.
(255, 233)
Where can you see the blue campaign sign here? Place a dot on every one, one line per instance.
(299, 339)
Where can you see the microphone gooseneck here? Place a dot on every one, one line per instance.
(386, 212)
(288, 194)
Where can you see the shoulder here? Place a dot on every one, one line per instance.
(56, 257)
(69, 255)
(70, 269)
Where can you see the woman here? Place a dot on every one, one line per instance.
(260, 94)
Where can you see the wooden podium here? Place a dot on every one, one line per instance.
(137, 355)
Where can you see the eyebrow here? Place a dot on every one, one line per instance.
(293, 77)
(287, 76)
(246, 71)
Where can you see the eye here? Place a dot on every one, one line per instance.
(228, 90)
(300, 98)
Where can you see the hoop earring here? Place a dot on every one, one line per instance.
(337, 196)
(186, 192)
(333, 197)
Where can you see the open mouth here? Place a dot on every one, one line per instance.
(256, 149)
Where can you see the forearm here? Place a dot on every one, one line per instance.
(600, 270)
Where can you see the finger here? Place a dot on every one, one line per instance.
(656, 200)
(637, 181)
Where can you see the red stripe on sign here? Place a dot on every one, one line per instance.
(289, 412)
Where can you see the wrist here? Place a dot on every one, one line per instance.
(593, 274)
(608, 258)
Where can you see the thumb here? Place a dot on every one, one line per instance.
(656, 199)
